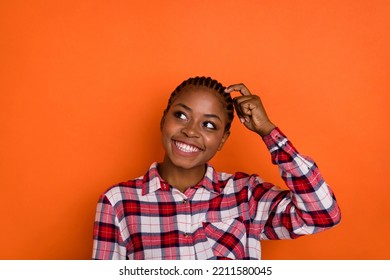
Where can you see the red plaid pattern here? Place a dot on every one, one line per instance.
(223, 217)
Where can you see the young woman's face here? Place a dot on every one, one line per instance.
(193, 129)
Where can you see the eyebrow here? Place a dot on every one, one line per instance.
(207, 115)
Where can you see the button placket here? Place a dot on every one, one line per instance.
(186, 208)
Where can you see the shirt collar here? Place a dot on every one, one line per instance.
(210, 180)
(152, 180)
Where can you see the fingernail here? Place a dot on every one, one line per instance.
(242, 120)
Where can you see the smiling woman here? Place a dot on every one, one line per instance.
(184, 209)
(193, 130)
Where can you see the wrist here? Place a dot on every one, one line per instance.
(266, 129)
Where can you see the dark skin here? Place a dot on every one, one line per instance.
(185, 169)
(251, 111)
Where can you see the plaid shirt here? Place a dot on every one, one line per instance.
(223, 217)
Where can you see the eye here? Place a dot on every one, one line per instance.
(209, 125)
(180, 115)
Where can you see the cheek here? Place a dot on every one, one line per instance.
(214, 141)
(168, 130)
(165, 135)
(166, 126)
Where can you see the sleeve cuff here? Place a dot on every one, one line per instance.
(275, 139)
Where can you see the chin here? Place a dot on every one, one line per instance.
(187, 164)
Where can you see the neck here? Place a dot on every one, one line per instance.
(179, 177)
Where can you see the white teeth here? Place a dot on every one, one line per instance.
(186, 148)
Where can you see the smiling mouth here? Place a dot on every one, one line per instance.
(186, 148)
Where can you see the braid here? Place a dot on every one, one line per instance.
(208, 83)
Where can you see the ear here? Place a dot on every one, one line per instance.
(224, 138)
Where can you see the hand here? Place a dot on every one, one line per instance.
(250, 110)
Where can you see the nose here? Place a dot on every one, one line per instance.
(190, 130)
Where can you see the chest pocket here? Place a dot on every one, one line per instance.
(227, 238)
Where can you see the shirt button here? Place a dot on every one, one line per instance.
(164, 186)
(184, 201)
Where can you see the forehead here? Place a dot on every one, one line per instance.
(201, 96)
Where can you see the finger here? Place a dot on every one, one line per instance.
(240, 114)
(238, 87)
(246, 103)
(244, 98)
(243, 108)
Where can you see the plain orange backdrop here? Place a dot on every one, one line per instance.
(83, 85)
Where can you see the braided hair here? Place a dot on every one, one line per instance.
(208, 83)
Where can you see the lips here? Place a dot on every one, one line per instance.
(186, 148)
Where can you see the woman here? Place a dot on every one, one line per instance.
(184, 209)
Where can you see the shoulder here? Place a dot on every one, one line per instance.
(123, 191)
(132, 188)
(235, 176)
(237, 180)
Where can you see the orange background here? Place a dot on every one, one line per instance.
(83, 85)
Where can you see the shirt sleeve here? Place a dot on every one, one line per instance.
(308, 207)
(107, 240)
